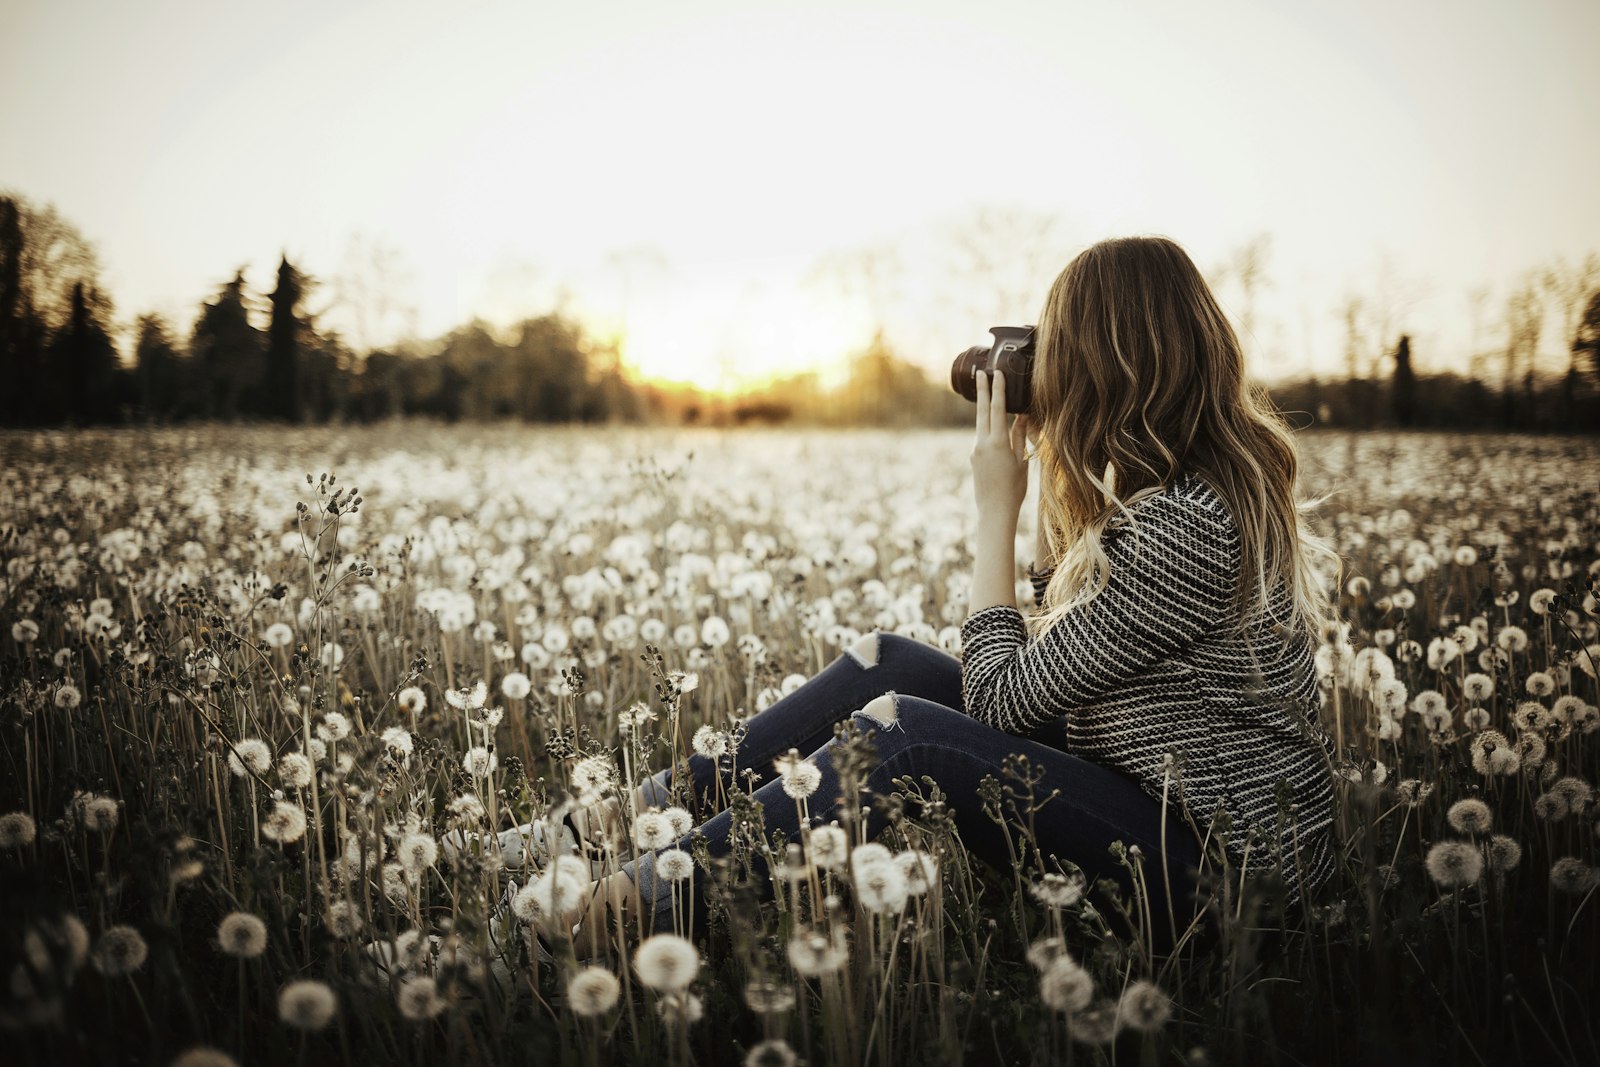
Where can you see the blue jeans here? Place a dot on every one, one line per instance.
(931, 735)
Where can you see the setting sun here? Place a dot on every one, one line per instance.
(727, 337)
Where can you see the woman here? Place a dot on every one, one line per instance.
(1173, 653)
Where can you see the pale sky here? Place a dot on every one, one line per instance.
(510, 151)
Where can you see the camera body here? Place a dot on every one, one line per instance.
(1011, 352)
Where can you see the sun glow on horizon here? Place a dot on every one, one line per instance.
(724, 341)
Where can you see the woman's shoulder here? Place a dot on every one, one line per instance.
(1188, 504)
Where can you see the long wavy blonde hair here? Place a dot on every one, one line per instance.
(1138, 379)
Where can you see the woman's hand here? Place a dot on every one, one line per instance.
(999, 455)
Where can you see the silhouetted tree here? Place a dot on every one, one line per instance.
(282, 392)
(87, 361)
(156, 369)
(228, 353)
(1586, 340)
(1405, 384)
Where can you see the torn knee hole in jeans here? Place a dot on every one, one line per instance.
(865, 650)
(882, 710)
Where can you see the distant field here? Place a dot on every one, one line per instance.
(216, 705)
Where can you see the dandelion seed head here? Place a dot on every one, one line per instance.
(766, 997)
(1454, 863)
(412, 700)
(1550, 807)
(417, 852)
(286, 824)
(250, 756)
(674, 864)
(1143, 1006)
(1569, 874)
(17, 830)
(680, 1008)
(652, 830)
(1477, 687)
(709, 742)
(100, 814)
(1097, 1024)
(813, 953)
(666, 962)
(479, 762)
(294, 770)
(1046, 950)
(121, 950)
(1065, 986)
(335, 726)
(593, 991)
(1503, 852)
(67, 696)
(418, 998)
(829, 847)
(920, 869)
(1057, 890)
(343, 919)
(242, 935)
(881, 887)
(1469, 816)
(679, 819)
(1540, 684)
(1512, 638)
(307, 1004)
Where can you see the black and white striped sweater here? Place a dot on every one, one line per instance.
(1147, 667)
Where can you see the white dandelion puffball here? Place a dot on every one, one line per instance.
(813, 952)
(881, 887)
(480, 762)
(399, 741)
(1066, 986)
(307, 1004)
(681, 1008)
(1512, 638)
(279, 635)
(1504, 852)
(250, 756)
(710, 742)
(294, 770)
(1469, 816)
(242, 935)
(417, 852)
(344, 920)
(674, 865)
(418, 998)
(335, 726)
(1569, 874)
(1454, 863)
(921, 870)
(121, 950)
(679, 819)
(593, 991)
(829, 847)
(67, 696)
(1143, 1006)
(412, 700)
(652, 830)
(714, 631)
(516, 685)
(99, 813)
(871, 852)
(666, 962)
(801, 779)
(286, 824)
(17, 830)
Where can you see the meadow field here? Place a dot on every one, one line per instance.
(252, 679)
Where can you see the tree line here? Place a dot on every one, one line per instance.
(62, 367)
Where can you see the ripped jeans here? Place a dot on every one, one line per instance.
(909, 694)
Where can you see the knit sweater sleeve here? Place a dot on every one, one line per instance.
(1172, 574)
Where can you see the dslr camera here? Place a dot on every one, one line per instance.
(1011, 352)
